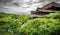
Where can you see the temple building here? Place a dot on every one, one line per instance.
(49, 8)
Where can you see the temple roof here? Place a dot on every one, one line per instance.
(50, 5)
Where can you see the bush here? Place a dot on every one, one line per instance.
(9, 23)
(54, 15)
(41, 26)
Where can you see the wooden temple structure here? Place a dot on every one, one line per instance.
(49, 8)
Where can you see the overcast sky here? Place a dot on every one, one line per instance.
(25, 0)
(22, 6)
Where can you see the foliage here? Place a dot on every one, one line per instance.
(41, 26)
(54, 15)
(9, 23)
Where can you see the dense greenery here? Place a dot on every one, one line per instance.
(41, 26)
(54, 15)
(11, 24)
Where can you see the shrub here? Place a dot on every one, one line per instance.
(9, 23)
(54, 15)
(41, 26)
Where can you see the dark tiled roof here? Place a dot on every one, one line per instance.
(56, 5)
(50, 5)
(42, 10)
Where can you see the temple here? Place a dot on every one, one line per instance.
(49, 8)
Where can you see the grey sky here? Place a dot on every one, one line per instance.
(22, 6)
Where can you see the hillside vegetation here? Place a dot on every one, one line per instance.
(11, 24)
